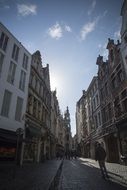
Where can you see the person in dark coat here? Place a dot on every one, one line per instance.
(100, 155)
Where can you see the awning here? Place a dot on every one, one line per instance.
(7, 136)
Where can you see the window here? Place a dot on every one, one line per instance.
(3, 41)
(15, 52)
(25, 61)
(1, 62)
(40, 86)
(11, 73)
(31, 78)
(97, 99)
(101, 94)
(6, 103)
(104, 115)
(124, 104)
(114, 83)
(22, 81)
(99, 118)
(109, 111)
(36, 84)
(18, 111)
(120, 76)
(96, 122)
(106, 89)
(94, 104)
(123, 94)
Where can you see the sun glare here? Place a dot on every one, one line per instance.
(55, 82)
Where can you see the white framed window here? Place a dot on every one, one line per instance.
(1, 62)
(6, 103)
(22, 80)
(11, 73)
(25, 61)
(15, 52)
(3, 41)
(18, 111)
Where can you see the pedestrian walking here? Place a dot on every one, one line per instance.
(100, 155)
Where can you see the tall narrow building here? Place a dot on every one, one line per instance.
(15, 62)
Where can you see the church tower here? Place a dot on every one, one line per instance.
(67, 131)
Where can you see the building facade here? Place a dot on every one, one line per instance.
(15, 62)
(37, 146)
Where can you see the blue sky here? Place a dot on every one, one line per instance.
(69, 34)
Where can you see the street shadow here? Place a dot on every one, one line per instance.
(111, 183)
(83, 175)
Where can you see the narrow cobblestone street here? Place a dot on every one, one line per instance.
(73, 174)
(84, 174)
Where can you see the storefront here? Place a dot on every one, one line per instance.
(122, 138)
(8, 145)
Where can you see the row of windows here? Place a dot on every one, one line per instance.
(117, 79)
(39, 88)
(115, 82)
(97, 120)
(15, 52)
(11, 73)
(7, 103)
(120, 103)
(107, 113)
(95, 102)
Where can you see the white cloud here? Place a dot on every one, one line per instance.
(88, 28)
(92, 7)
(55, 31)
(26, 10)
(117, 35)
(7, 7)
(68, 28)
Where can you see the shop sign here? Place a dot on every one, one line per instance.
(7, 152)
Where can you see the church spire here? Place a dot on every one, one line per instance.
(67, 118)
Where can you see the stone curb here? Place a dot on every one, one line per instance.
(53, 185)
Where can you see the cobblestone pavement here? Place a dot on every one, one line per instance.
(29, 177)
(84, 174)
(117, 172)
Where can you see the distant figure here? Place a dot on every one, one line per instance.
(100, 155)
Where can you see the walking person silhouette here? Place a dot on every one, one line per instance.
(100, 155)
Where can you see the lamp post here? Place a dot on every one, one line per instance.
(19, 132)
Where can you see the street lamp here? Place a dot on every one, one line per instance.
(19, 132)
